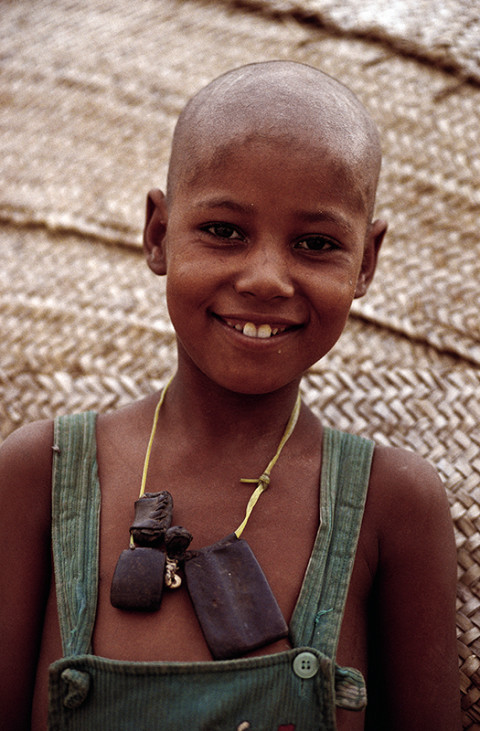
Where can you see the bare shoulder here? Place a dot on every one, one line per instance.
(124, 431)
(406, 495)
(392, 465)
(413, 606)
(25, 484)
(408, 515)
(133, 417)
(26, 458)
(25, 569)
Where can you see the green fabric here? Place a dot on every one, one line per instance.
(89, 692)
(75, 528)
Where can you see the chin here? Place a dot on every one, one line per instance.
(249, 386)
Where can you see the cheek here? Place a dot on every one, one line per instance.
(179, 293)
(184, 274)
(333, 294)
(196, 274)
(188, 292)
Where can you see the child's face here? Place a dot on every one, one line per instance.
(264, 251)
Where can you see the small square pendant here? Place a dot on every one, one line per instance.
(138, 579)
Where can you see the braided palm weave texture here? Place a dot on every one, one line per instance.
(90, 93)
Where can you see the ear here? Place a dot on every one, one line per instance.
(373, 242)
(154, 232)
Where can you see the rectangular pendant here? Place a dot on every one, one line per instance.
(233, 601)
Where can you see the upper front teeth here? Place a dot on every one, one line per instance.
(263, 331)
(252, 331)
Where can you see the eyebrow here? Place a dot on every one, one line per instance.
(325, 216)
(307, 216)
(224, 203)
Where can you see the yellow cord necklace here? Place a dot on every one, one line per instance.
(233, 601)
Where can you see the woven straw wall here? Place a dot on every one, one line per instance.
(90, 93)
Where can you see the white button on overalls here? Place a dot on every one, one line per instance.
(305, 665)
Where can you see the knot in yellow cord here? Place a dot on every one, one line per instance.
(263, 481)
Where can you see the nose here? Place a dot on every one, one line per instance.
(265, 273)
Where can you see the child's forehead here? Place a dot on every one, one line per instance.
(249, 149)
(251, 152)
(218, 144)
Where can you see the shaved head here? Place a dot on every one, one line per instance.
(281, 101)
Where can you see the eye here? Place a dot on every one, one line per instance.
(223, 231)
(315, 242)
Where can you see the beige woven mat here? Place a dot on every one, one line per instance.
(443, 32)
(89, 96)
(91, 91)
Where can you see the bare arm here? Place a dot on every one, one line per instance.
(413, 610)
(25, 476)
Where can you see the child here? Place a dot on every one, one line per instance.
(266, 236)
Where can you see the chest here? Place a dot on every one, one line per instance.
(210, 504)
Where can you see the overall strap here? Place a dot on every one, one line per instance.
(75, 526)
(345, 474)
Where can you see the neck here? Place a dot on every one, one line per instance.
(197, 405)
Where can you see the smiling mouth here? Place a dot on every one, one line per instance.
(262, 331)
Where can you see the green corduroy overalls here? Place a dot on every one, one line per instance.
(295, 690)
